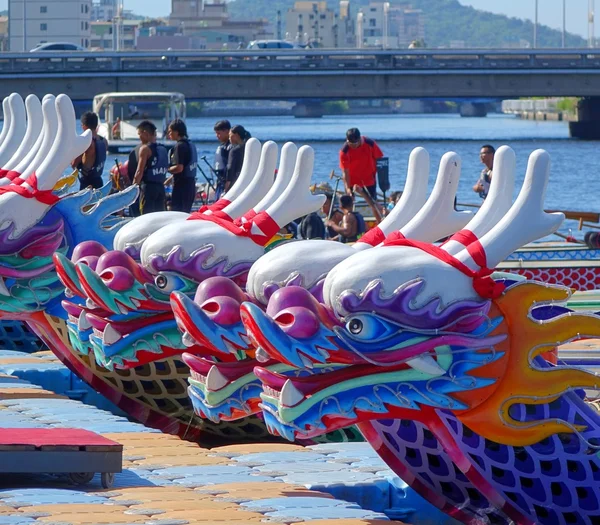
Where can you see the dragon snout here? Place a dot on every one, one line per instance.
(298, 322)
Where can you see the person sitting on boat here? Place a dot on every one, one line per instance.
(373, 204)
(312, 226)
(238, 136)
(487, 159)
(353, 223)
(183, 164)
(336, 215)
(358, 161)
(91, 163)
(116, 129)
(152, 169)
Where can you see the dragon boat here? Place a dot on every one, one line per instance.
(483, 426)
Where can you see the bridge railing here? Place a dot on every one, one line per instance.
(253, 61)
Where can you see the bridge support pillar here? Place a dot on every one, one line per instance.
(308, 110)
(587, 125)
(473, 109)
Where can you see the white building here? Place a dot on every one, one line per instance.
(315, 23)
(104, 10)
(48, 21)
(387, 25)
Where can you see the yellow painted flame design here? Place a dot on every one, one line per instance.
(523, 382)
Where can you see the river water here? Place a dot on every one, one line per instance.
(574, 180)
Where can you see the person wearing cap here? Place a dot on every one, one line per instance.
(358, 161)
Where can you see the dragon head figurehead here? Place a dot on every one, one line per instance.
(38, 217)
(414, 327)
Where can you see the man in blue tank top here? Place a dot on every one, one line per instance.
(182, 167)
(152, 169)
(91, 163)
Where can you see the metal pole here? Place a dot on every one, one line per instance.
(564, 27)
(535, 25)
(24, 25)
(591, 15)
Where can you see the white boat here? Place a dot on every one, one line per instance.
(131, 109)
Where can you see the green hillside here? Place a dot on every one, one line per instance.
(446, 20)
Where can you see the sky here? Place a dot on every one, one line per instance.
(550, 11)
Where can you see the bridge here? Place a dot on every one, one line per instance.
(311, 74)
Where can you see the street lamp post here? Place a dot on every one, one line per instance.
(591, 30)
(535, 25)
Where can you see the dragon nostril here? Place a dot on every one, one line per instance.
(224, 311)
(211, 307)
(89, 260)
(285, 319)
(118, 278)
(298, 322)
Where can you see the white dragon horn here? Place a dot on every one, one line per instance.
(35, 121)
(67, 145)
(412, 200)
(287, 163)
(526, 220)
(497, 202)
(7, 114)
(33, 161)
(297, 200)
(438, 218)
(260, 184)
(16, 130)
(249, 167)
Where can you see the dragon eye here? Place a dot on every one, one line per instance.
(355, 326)
(369, 328)
(168, 283)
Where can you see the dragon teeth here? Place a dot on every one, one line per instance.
(69, 294)
(426, 364)
(122, 309)
(305, 360)
(187, 340)
(82, 323)
(110, 336)
(290, 395)
(230, 347)
(90, 304)
(3, 288)
(261, 355)
(271, 392)
(215, 380)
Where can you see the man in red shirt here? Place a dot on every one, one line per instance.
(358, 162)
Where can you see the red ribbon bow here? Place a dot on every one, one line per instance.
(373, 237)
(483, 284)
(215, 206)
(260, 229)
(43, 196)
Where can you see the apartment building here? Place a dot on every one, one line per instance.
(315, 23)
(210, 22)
(103, 35)
(391, 26)
(37, 21)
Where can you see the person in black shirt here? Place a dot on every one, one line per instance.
(312, 227)
(152, 169)
(238, 136)
(91, 163)
(222, 128)
(182, 167)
